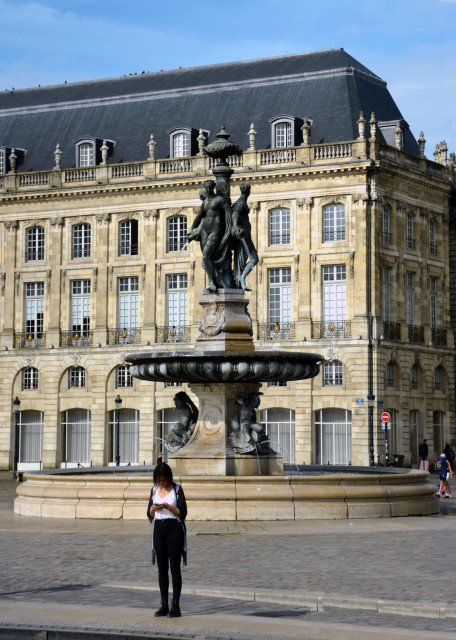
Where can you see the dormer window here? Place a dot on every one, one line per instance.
(284, 131)
(91, 151)
(2, 160)
(182, 142)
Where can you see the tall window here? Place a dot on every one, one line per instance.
(128, 435)
(181, 145)
(386, 235)
(86, 156)
(416, 435)
(280, 428)
(2, 161)
(80, 307)
(433, 301)
(35, 244)
(332, 374)
(334, 436)
(333, 222)
(128, 302)
(34, 308)
(432, 245)
(409, 237)
(394, 437)
(30, 378)
(389, 375)
(81, 241)
(438, 386)
(279, 297)
(386, 282)
(76, 378)
(31, 438)
(414, 377)
(410, 298)
(177, 230)
(124, 379)
(334, 293)
(279, 226)
(283, 135)
(128, 245)
(76, 435)
(176, 300)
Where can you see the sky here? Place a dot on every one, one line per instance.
(411, 44)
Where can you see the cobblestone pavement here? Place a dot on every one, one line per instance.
(78, 562)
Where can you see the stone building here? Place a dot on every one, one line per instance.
(99, 184)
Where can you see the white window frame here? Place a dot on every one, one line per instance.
(73, 420)
(410, 232)
(279, 424)
(128, 229)
(80, 307)
(124, 379)
(390, 375)
(76, 378)
(176, 233)
(86, 153)
(81, 240)
(282, 132)
(30, 378)
(180, 142)
(35, 244)
(410, 298)
(279, 226)
(32, 459)
(127, 311)
(386, 235)
(2, 161)
(334, 292)
(176, 300)
(432, 244)
(129, 425)
(279, 297)
(334, 222)
(338, 426)
(433, 301)
(333, 373)
(34, 309)
(386, 287)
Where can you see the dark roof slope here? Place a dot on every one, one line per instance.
(328, 87)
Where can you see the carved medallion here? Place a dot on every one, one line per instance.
(213, 320)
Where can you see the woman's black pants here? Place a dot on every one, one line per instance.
(168, 545)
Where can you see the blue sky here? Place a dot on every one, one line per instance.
(409, 43)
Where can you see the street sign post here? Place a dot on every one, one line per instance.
(386, 419)
(386, 416)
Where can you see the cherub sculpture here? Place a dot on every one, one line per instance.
(181, 432)
(248, 436)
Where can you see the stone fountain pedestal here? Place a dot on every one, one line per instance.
(225, 326)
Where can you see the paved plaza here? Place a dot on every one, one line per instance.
(312, 579)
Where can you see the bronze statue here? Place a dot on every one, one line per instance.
(212, 227)
(245, 253)
(182, 431)
(248, 436)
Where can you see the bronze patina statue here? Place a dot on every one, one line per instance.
(245, 254)
(248, 436)
(182, 430)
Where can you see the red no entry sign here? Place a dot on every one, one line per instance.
(385, 416)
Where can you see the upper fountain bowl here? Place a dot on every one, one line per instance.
(222, 367)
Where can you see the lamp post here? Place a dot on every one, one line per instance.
(118, 402)
(371, 402)
(16, 411)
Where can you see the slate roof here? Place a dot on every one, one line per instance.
(328, 87)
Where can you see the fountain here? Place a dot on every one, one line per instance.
(218, 449)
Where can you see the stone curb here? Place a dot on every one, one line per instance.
(313, 600)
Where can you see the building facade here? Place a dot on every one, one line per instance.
(99, 184)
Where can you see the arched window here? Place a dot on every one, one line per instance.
(86, 154)
(123, 377)
(128, 435)
(128, 238)
(81, 240)
(279, 226)
(177, 230)
(283, 131)
(76, 436)
(332, 373)
(30, 440)
(333, 222)
(76, 378)
(333, 430)
(30, 378)
(390, 378)
(280, 428)
(439, 379)
(181, 144)
(394, 437)
(35, 244)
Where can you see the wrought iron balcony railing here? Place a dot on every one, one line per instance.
(173, 334)
(76, 338)
(276, 331)
(415, 334)
(124, 336)
(331, 329)
(439, 337)
(29, 339)
(392, 330)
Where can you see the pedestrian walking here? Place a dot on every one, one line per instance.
(450, 455)
(424, 452)
(167, 509)
(445, 475)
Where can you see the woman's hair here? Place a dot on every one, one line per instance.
(163, 470)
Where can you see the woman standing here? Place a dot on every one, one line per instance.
(168, 509)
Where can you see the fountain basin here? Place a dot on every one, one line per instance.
(320, 494)
(224, 367)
